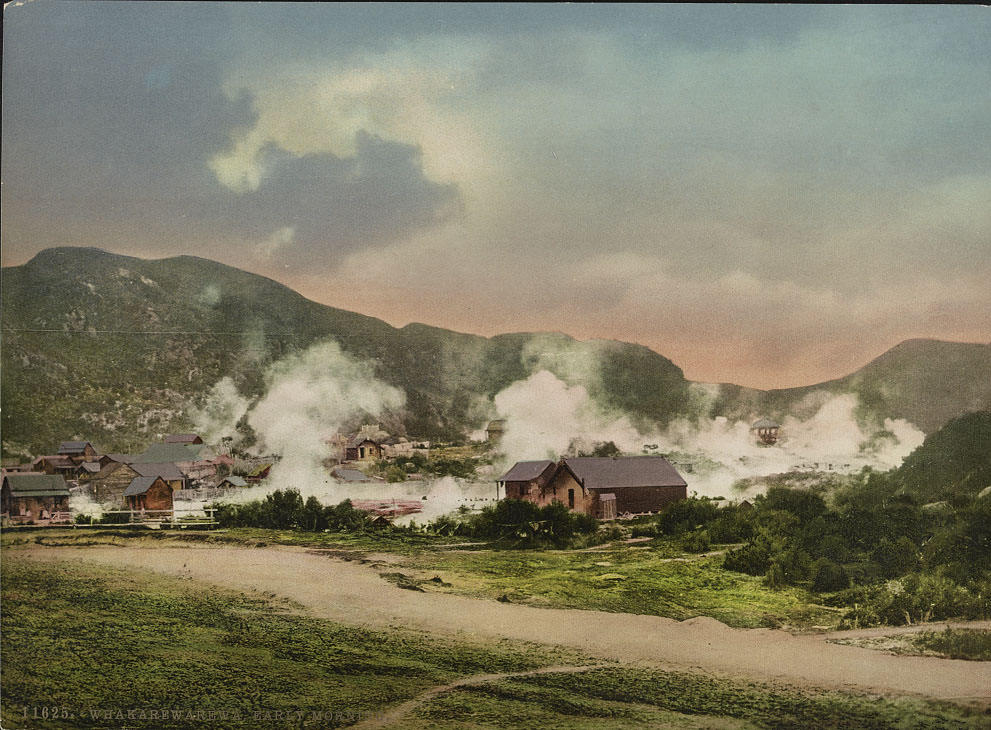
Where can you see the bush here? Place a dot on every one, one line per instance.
(395, 474)
(696, 542)
(524, 521)
(285, 510)
(828, 577)
(687, 514)
(752, 559)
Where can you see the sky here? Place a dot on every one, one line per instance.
(766, 195)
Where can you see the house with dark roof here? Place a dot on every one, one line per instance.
(56, 464)
(526, 478)
(148, 493)
(362, 448)
(78, 451)
(767, 431)
(605, 487)
(33, 497)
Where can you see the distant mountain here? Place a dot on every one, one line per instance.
(926, 382)
(114, 349)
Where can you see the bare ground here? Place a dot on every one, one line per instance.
(350, 593)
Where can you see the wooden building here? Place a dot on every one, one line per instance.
(767, 431)
(64, 466)
(78, 451)
(495, 430)
(33, 497)
(110, 484)
(605, 487)
(362, 448)
(526, 479)
(148, 493)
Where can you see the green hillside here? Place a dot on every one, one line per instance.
(115, 349)
(926, 382)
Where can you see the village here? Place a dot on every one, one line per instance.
(172, 479)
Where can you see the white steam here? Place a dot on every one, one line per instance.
(218, 416)
(309, 398)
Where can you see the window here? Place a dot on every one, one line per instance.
(571, 499)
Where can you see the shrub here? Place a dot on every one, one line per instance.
(696, 542)
(687, 514)
(828, 577)
(752, 559)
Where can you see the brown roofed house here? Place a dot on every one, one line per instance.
(601, 486)
(34, 497)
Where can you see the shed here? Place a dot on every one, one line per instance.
(495, 429)
(362, 448)
(767, 431)
(33, 496)
(526, 478)
(350, 475)
(77, 450)
(148, 493)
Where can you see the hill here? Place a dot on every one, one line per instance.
(115, 348)
(926, 382)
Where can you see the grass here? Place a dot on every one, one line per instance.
(974, 645)
(653, 578)
(87, 639)
(625, 579)
(621, 698)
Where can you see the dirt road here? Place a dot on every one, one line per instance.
(355, 594)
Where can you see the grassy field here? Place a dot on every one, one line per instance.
(624, 579)
(956, 644)
(86, 639)
(84, 645)
(627, 698)
(653, 578)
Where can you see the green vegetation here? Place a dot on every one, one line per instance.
(656, 581)
(624, 699)
(156, 645)
(956, 643)
(286, 510)
(873, 547)
(161, 645)
(521, 523)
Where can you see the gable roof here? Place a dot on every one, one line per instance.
(361, 438)
(234, 481)
(162, 453)
(525, 471)
(166, 470)
(616, 472)
(36, 485)
(73, 447)
(259, 470)
(60, 461)
(183, 438)
(119, 458)
(140, 485)
(93, 467)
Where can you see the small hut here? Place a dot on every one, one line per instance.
(149, 493)
(495, 430)
(767, 431)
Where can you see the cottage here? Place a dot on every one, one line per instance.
(495, 430)
(57, 464)
(34, 497)
(363, 448)
(527, 478)
(767, 431)
(259, 472)
(194, 461)
(601, 486)
(148, 493)
(78, 451)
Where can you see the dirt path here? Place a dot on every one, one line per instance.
(355, 594)
(397, 713)
(913, 629)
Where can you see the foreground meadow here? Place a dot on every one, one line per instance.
(111, 648)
